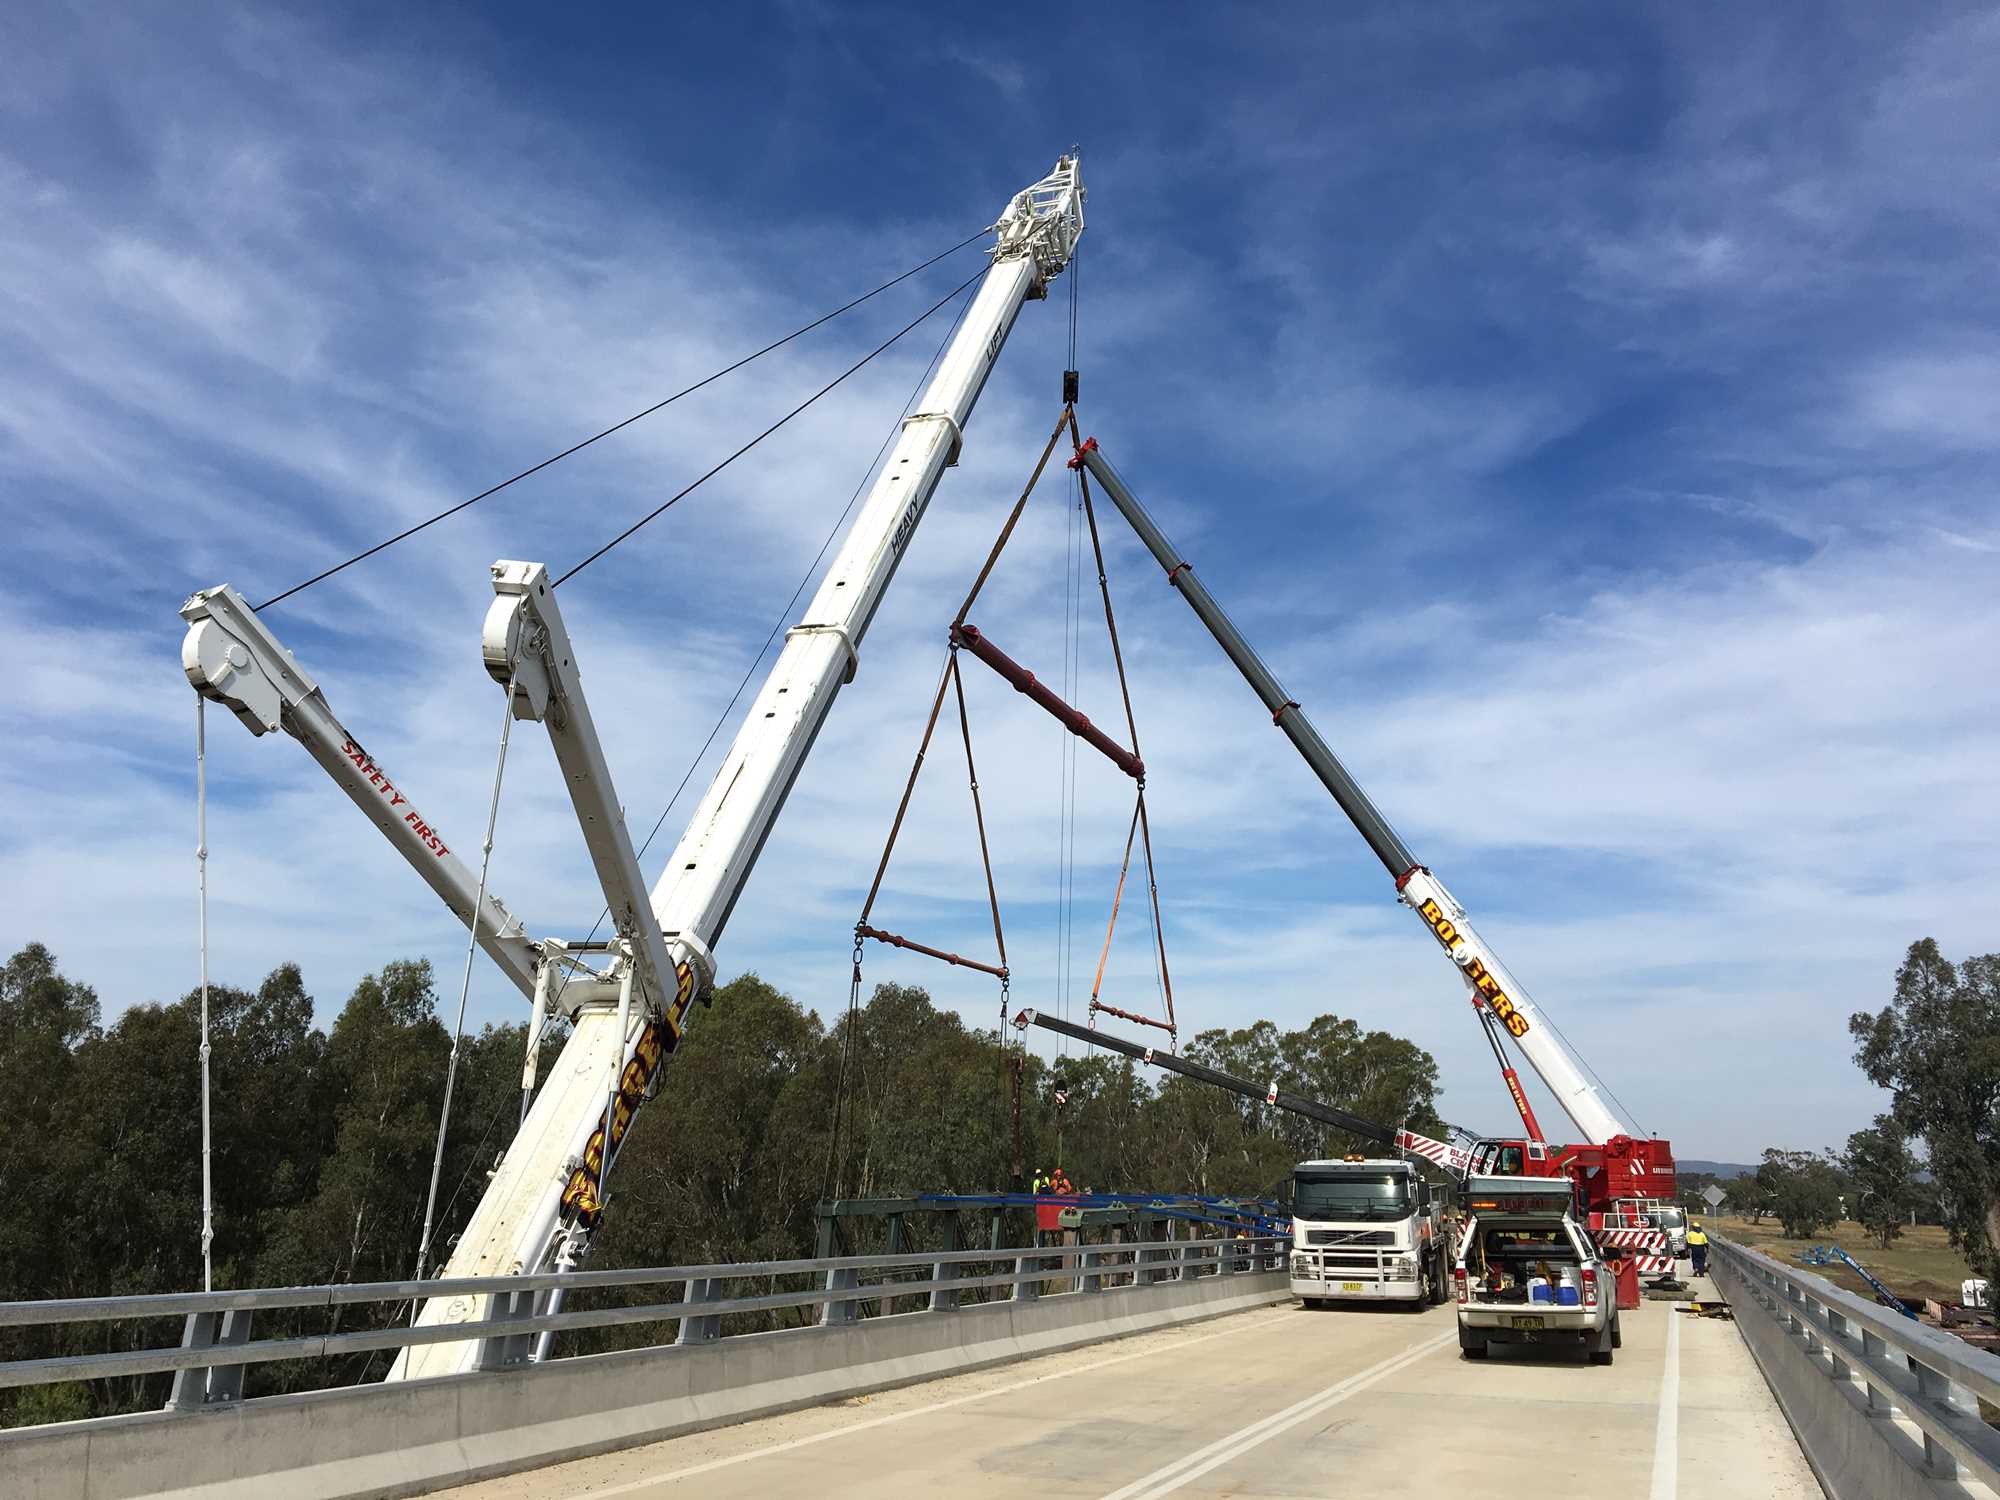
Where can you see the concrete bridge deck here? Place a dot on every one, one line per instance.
(1274, 1402)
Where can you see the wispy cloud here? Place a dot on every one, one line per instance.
(1595, 434)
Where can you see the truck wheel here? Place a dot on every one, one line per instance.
(1313, 1304)
(1472, 1351)
(1617, 1335)
(1601, 1355)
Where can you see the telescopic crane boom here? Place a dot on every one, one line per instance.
(1494, 992)
(1447, 1156)
(545, 1198)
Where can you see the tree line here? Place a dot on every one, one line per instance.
(1935, 1152)
(322, 1138)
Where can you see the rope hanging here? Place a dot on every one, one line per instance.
(966, 638)
(201, 869)
(465, 985)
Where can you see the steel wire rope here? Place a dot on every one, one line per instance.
(722, 718)
(453, 510)
(201, 869)
(1073, 607)
(672, 500)
(465, 983)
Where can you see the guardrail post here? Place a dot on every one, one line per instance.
(1090, 1278)
(1836, 1342)
(945, 1298)
(1030, 1287)
(204, 1385)
(507, 1351)
(1934, 1385)
(1875, 1350)
(699, 1328)
(841, 1279)
(897, 1245)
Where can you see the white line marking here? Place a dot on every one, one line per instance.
(633, 1485)
(1667, 1433)
(1170, 1477)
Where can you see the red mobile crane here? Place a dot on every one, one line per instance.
(1619, 1175)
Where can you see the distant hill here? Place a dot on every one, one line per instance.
(1715, 1168)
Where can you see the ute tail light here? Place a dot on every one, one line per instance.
(1458, 1284)
(1589, 1287)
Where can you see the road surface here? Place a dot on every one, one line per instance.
(1279, 1402)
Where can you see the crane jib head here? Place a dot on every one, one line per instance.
(1484, 985)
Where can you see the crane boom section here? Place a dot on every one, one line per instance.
(705, 876)
(1491, 986)
(541, 1201)
(1330, 1115)
(232, 658)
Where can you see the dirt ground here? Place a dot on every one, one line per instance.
(1918, 1262)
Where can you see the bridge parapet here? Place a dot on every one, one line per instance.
(1884, 1407)
(412, 1436)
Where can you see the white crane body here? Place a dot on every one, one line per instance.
(547, 1192)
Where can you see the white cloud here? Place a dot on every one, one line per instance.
(1700, 801)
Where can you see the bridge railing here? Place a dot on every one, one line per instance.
(216, 1345)
(1883, 1406)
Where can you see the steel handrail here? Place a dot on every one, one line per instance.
(1928, 1377)
(1031, 1264)
(178, 1304)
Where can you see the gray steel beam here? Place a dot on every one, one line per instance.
(1284, 709)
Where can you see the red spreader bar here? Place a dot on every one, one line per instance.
(954, 959)
(1126, 1015)
(1024, 681)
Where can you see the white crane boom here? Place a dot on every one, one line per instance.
(544, 1198)
(232, 658)
(1491, 987)
(547, 1193)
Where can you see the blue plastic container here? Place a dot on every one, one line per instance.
(1538, 1289)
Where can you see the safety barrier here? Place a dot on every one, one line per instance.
(1883, 1406)
(512, 1413)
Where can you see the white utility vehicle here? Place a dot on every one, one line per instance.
(1367, 1229)
(1528, 1273)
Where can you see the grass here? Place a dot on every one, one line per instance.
(1917, 1263)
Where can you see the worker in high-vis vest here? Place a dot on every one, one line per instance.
(1698, 1247)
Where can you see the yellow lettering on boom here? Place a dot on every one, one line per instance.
(1476, 973)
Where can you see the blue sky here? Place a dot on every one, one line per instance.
(1591, 414)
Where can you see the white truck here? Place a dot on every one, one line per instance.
(1527, 1273)
(1367, 1229)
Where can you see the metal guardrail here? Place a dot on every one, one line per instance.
(1917, 1388)
(216, 1345)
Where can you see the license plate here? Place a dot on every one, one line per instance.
(1350, 1286)
(1527, 1323)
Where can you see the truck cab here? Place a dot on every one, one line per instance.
(1369, 1230)
(1527, 1273)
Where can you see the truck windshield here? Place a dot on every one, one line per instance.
(1350, 1195)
